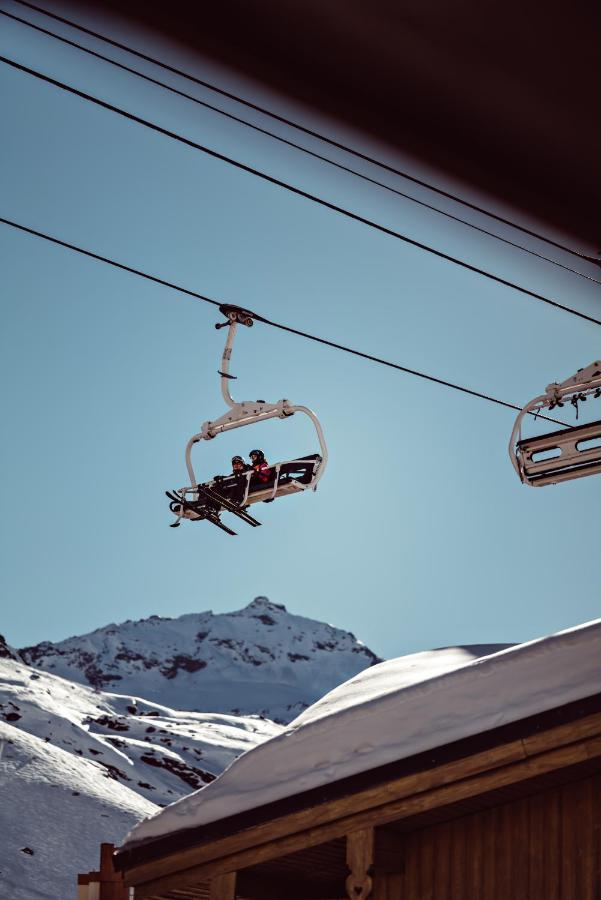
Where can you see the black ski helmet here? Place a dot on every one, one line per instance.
(259, 453)
(237, 459)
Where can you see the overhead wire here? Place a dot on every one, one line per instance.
(308, 131)
(294, 190)
(293, 144)
(304, 334)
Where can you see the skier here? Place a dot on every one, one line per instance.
(239, 467)
(260, 467)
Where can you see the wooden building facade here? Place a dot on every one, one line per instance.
(511, 813)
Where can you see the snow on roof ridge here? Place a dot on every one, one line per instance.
(395, 725)
(429, 680)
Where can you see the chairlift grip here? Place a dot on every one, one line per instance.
(235, 314)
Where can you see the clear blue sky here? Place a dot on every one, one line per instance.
(420, 534)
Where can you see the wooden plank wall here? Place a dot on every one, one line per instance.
(543, 847)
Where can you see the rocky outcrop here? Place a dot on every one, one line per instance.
(7, 652)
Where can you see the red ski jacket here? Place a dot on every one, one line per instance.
(262, 470)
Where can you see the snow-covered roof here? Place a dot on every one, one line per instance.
(391, 712)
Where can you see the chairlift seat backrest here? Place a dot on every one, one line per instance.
(574, 460)
(287, 477)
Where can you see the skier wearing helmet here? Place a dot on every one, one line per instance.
(234, 485)
(239, 467)
(260, 467)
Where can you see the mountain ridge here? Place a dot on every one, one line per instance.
(260, 659)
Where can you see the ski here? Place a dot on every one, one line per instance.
(227, 504)
(216, 499)
(216, 521)
(212, 517)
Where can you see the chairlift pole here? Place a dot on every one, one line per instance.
(225, 365)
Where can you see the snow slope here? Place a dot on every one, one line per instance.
(393, 711)
(55, 808)
(78, 767)
(260, 659)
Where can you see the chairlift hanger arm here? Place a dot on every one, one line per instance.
(535, 406)
(247, 412)
(235, 315)
(322, 441)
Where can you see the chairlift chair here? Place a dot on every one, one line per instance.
(206, 500)
(572, 452)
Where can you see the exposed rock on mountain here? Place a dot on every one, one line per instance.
(258, 660)
(7, 652)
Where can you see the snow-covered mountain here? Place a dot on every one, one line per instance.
(78, 766)
(258, 660)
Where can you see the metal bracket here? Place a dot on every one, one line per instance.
(245, 413)
(577, 382)
(235, 314)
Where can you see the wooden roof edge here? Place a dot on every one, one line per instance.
(568, 758)
(524, 729)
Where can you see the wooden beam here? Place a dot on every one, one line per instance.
(327, 812)
(562, 735)
(223, 887)
(360, 861)
(112, 886)
(382, 814)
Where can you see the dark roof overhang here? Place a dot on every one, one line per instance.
(127, 858)
(500, 96)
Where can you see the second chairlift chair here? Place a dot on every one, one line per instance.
(561, 455)
(206, 500)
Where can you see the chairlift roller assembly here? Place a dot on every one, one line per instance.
(235, 493)
(573, 452)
